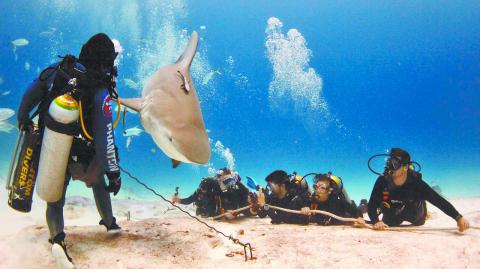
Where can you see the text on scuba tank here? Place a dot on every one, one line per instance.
(27, 173)
(111, 156)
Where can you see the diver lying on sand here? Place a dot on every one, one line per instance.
(328, 195)
(218, 195)
(282, 192)
(400, 195)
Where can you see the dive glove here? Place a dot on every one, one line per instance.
(114, 182)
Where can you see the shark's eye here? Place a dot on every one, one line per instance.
(170, 139)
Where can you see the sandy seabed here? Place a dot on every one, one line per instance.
(157, 237)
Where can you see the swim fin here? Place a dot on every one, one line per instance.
(252, 184)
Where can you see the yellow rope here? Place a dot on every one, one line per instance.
(115, 123)
(83, 124)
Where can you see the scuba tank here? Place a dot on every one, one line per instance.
(20, 187)
(60, 126)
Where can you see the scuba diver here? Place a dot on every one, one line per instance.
(400, 195)
(282, 192)
(59, 87)
(234, 194)
(206, 198)
(218, 195)
(299, 180)
(328, 196)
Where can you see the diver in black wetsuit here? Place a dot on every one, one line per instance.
(234, 194)
(206, 198)
(218, 195)
(281, 192)
(400, 195)
(328, 196)
(97, 62)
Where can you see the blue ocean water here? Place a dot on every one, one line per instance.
(306, 86)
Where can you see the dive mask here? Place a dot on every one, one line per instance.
(393, 164)
(231, 181)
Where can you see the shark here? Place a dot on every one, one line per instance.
(170, 111)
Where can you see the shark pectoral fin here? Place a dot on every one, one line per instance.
(175, 163)
(132, 103)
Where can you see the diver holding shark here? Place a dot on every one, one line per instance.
(66, 152)
(65, 127)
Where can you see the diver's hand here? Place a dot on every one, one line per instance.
(305, 211)
(114, 182)
(359, 221)
(462, 224)
(176, 199)
(380, 226)
(229, 215)
(261, 198)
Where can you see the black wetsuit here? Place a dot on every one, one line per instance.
(36, 92)
(235, 197)
(405, 203)
(207, 200)
(337, 205)
(213, 201)
(296, 198)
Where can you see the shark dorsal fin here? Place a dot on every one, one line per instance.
(185, 60)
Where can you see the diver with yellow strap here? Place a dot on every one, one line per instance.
(74, 102)
(328, 195)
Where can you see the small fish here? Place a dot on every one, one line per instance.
(209, 76)
(6, 93)
(230, 61)
(6, 127)
(27, 66)
(203, 27)
(131, 84)
(153, 150)
(6, 113)
(46, 34)
(129, 141)
(20, 42)
(135, 131)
